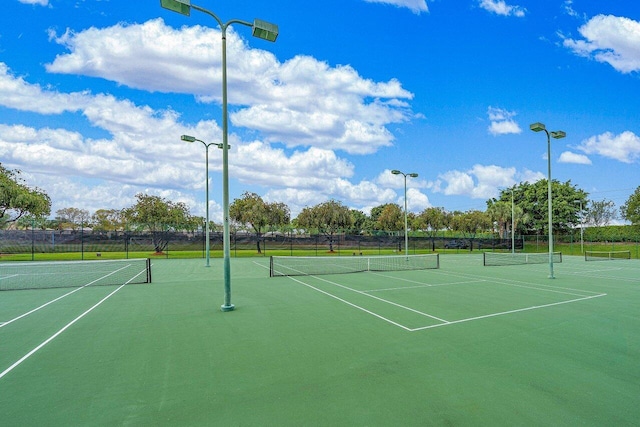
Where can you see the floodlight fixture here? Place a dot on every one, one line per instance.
(264, 30)
(183, 7)
(537, 127)
(558, 134)
(188, 138)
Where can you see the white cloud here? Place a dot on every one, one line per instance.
(18, 94)
(568, 7)
(624, 147)
(341, 109)
(37, 2)
(417, 201)
(530, 176)
(142, 154)
(301, 102)
(502, 122)
(482, 182)
(499, 7)
(570, 157)
(362, 196)
(416, 6)
(610, 39)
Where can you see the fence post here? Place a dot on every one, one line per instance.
(81, 239)
(33, 248)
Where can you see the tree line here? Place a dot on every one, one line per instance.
(522, 207)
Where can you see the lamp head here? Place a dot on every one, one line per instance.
(537, 127)
(396, 172)
(558, 134)
(188, 138)
(265, 30)
(181, 6)
(413, 175)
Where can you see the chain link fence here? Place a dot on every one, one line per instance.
(84, 244)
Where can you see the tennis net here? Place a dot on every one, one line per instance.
(503, 258)
(311, 266)
(606, 255)
(70, 274)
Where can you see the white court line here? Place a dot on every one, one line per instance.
(614, 278)
(62, 296)
(520, 283)
(535, 286)
(350, 303)
(507, 312)
(608, 276)
(425, 285)
(52, 337)
(381, 299)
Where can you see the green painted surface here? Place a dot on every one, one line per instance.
(356, 349)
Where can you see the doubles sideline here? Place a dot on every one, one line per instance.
(64, 328)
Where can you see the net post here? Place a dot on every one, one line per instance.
(271, 266)
(148, 270)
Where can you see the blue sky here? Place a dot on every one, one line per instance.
(94, 95)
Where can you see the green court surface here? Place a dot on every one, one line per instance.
(463, 345)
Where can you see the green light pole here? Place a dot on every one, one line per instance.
(260, 29)
(189, 138)
(406, 236)
(581, 227)
(537, 127)
(513, 229)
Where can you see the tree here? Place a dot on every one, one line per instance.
(72, 218)
(252, 210)
(391, 218)
(359, 221)
(501, 210)
(631, 209)
(500, 213)
(432, 220)
(107, 220)
(328, 218)
(17, 199)
(601, 213)
(27, 222)
(533, 200)
(157, 215)
(470, 223)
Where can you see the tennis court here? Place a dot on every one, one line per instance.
(462, 344)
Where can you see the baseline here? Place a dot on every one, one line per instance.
(507, 312)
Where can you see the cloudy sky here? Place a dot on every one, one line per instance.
(94, 95)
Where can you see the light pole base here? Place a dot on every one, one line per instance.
(229, 307)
